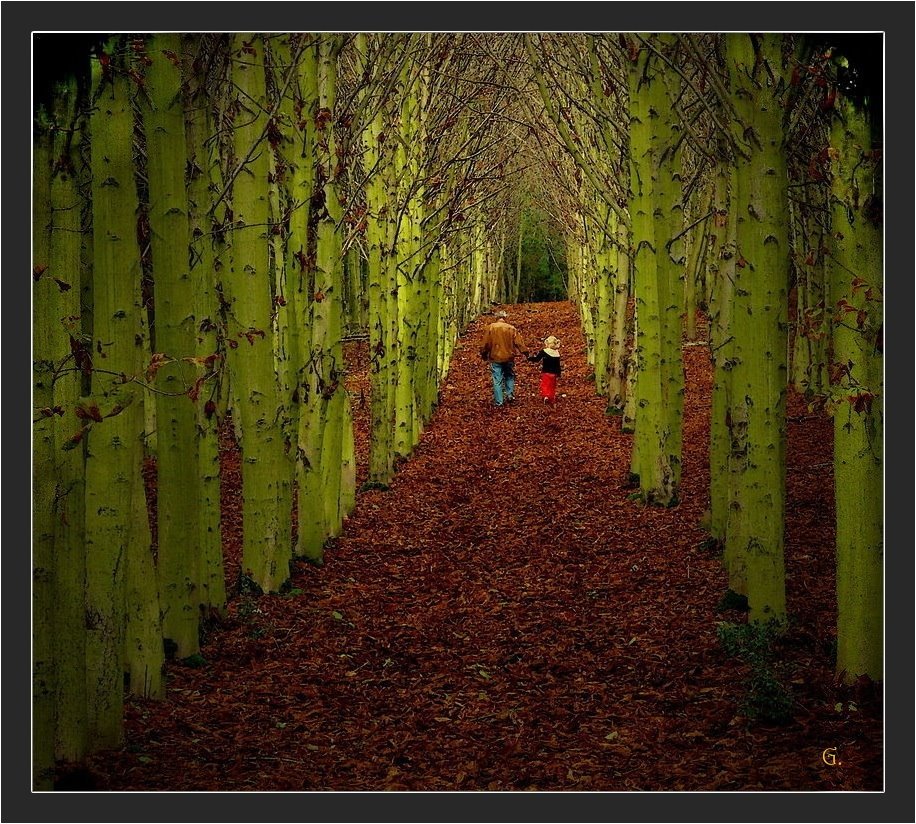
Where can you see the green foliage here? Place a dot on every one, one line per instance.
(248, 607)
(544, 270)
(248, 585)
(292, 592)
(365, 487)
(746, 641)
(766, 698)
(249, 613)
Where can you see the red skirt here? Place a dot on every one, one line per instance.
(549, 386)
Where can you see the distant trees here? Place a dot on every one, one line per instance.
(540, 265)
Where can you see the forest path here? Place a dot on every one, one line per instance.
(503, 617)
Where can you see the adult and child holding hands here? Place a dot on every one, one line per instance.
(501, 343)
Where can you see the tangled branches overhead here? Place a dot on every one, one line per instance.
(511, 116)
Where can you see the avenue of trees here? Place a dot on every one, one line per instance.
(214, 213)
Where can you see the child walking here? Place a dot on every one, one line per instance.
(549, 357)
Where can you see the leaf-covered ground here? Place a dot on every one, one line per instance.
(505, 617)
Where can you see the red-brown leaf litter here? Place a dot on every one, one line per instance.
(506, 617)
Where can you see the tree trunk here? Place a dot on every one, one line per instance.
(669, 215)
(70, 470)
(656, 455)
(604, 295)
(115, 412)
(176, 326)
(381, 347)
(695, 265)
(858, 410)
(328, 312)
(143, 646)
(517, 282)
(809, 343)
(299, 113)
(617, 372)
(432, 277)
(628, 421)
(206, 264)
(757, 413)
(422, 244)
(265, 520)
(44, 453)
(722, 257)
(586, 292)
(408, 299)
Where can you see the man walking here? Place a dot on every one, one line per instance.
(501, 342)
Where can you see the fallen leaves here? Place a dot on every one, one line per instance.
(538, 633)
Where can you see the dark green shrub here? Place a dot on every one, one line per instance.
(766, 698)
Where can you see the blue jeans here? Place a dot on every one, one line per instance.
(502, 373)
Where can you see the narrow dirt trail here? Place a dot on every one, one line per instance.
(505, 618)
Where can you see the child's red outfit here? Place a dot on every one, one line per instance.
(548, 386)
(549, 357)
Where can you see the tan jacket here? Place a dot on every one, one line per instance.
(501, 342)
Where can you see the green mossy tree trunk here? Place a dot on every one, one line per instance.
(669, 224)
(721, 276)
(656, 445)
(697, 240)
(44, 453)
(628, 418)
(856, 262)
(617, 368)
(266, 546)
(517, 280)
(429, 340)
(447, 326)
(299, 113)
(179, 564)
(327, 416)
(70, 470)
(427, 234)
(328, 313)
(114, 413)
(809, 344)
(294, 98)
(602, 254)
(754, 538)
(376, 164)
(585, 295)
(205, 265)
(144, 653)
(421, 238)
(407, 251)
